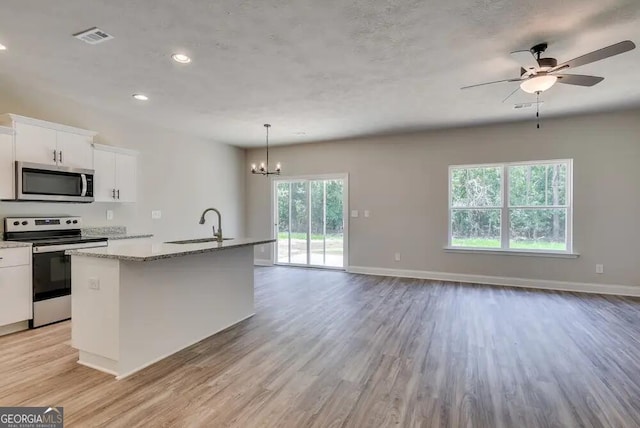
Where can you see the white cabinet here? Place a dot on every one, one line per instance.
(50, 143)
(6, 163)
(16, 302)
(116, 172)
(36, 144)
(75, 150)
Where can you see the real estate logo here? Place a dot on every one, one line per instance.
(31, 417)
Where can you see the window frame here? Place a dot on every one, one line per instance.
(505, 220)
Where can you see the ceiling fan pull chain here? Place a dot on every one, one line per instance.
(538, 109)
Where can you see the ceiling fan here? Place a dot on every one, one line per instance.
(538, 74)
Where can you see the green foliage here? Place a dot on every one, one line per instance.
(298, 193)
(495, 243)
(530, 186)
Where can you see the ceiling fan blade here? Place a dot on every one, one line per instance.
(579, 79)
(491, 83)
(511, 94)
(525, 59)
(594, 56)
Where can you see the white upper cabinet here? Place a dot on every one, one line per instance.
(126, 177)
(50, 143)
(6, 163)
(36, 144)
(116, 174)
(104, 180)
(75, 150)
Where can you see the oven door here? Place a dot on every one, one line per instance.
(51, 275)
(37, 182)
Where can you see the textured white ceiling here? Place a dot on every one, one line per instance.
(332, 69)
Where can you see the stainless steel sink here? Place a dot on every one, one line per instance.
(197, 241)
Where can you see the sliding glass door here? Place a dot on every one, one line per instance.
(310, 221)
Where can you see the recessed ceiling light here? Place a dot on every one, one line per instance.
(140, 97)
(181, 58)
(2, 47)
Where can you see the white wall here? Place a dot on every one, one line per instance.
(402, 180)
(178, 174)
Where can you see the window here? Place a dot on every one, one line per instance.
(516, 206)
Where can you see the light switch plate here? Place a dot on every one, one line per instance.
(94, 283)
(109, 214)
(366, 213)
(156, 214)
(354, 213)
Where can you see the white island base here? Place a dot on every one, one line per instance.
(127, 315)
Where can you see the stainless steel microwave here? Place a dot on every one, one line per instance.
(39, 182)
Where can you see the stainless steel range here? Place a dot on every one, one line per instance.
(51, 237)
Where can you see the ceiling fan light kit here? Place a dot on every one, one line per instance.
(539, 74)
(538, 83)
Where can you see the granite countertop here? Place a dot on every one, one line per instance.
(11, 244)
(149, 251)
(125, 236)
(113, 233)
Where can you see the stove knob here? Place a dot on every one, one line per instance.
(16, 223)
(68, 221)
(24, 223)
(75, 221)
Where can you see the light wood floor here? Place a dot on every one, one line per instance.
(329, 349)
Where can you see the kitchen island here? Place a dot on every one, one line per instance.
(136, 304)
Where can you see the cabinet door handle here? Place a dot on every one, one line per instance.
(55, 159)
(60, 156)
(118, 193)
(113, 193)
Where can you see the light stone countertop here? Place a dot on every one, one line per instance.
(149, 251)
(113, 233)
(11, 244)
(124, 236)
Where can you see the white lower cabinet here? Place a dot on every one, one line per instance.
(16, 301)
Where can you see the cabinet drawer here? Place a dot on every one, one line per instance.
(14, 257)
(16, 302)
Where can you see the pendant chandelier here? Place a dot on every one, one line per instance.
(264, 169)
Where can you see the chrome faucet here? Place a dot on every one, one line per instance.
(218, 235)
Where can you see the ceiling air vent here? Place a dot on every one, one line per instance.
(93, 36)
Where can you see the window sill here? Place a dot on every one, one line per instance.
(525, 253)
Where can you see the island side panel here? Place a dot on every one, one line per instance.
(169, 304)
(94, 311)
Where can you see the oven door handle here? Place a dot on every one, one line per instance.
(84, 184)
(64, 247)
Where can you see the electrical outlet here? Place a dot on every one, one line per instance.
(262, 248)
(397, 257)
(366, 213)
(354, 213)
(109, 214)
(94, 283)
(156, 214)
(599, 268)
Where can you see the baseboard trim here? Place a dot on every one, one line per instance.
(582, 287)
(262, 262)
(14, 328)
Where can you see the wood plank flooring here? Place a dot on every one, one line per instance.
(330, 349)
